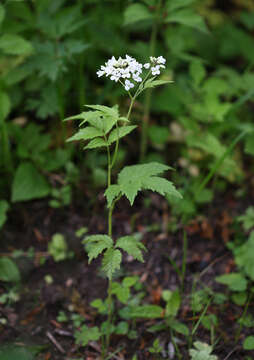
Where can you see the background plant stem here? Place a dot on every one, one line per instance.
(147, 102)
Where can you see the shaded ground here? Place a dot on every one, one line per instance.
(33, 319)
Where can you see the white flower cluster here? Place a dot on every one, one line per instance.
(129, 68)
(156, 64)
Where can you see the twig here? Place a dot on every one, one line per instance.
(231, 352)
(53, 340)
(63, 332)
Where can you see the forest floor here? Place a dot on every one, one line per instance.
(32, 320)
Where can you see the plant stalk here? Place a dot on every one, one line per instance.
(148, 94)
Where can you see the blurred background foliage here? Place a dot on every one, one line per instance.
(49, 54)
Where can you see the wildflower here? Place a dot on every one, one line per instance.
(155, 70)
(128, 85)
(130, 69)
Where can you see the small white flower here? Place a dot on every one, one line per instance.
(161, 60)
(136, 77)
(147, 65)
(100, 73)
(155, 70)
(128, 85)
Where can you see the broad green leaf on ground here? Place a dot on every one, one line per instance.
(4, 207)
(141, 177)
(147, 312)
(120, 132)
(13, 352)
(173, 302)
(248, 343)
(203, 351)
(179, 327)
(96, 143)
(87, 133)
(235, 281)
(28, 184)
(8, 270)
(153, 83)
(244, 256)
(136, 13)
(12, 44)
(97, 244)
(187, 17)
(111, 261)
(86, 334)
(111, 193)
(121, 292)
(132, 246)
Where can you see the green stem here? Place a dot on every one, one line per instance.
(219, 162)
(7, 158)
(185, 248)
(147, 106)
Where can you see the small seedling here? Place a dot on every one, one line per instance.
(202, 351)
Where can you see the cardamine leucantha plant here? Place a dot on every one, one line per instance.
(103, 127)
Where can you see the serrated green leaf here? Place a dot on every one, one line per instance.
(86, 334)
(161, 185)
(95, 143)
(244, 256)
(12, 44)
(153, 83)
(87, 133)
(120, 132)
(110, 111)
(111, 193)
(132, 246)
(97, 244)
(147, 312)
(98, 237)
(136, 13)
(111, 261)
(140, 177)
(81, 116)
(187, 17)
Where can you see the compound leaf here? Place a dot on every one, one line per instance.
(141, 177)
(96, 245)
(132, 246)
(111, 261)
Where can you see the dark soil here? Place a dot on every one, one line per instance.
(33, 319)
